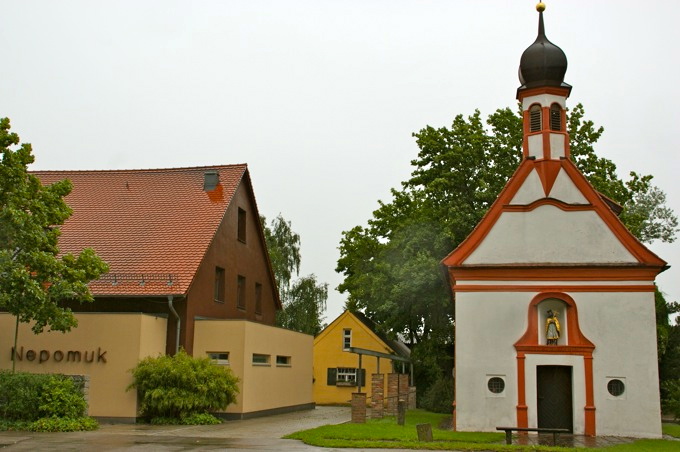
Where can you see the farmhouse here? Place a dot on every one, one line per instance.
(189, 269)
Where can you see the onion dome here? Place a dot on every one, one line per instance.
(542, 63)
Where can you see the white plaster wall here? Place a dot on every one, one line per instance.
(531, 190)
(566, 191)
(557, 145)
(487, 326)
(623, 328)
(535, 143)
(545, 100)
(550, 235)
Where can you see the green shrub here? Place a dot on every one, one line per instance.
(58, 424)
(61, 398)
(439, 396)
(28, 397)
(6, 425)
(192, 419)
(670, 397)
(180, 386)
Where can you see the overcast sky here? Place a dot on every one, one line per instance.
(320, 97)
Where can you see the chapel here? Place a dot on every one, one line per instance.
(554, 297)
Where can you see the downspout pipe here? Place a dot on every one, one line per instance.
(179, 322)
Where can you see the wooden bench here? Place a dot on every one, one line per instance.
(554, 431)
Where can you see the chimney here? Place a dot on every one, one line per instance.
(210, 180)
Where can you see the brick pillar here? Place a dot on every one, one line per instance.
(412, 398)
(403, 387)
(377, 396)
(392, 392)
(359, 407)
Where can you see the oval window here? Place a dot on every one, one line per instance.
(616, 387)
(496, 385)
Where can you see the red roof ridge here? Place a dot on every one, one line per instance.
(141, 170)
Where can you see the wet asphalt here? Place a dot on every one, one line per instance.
(252, 434)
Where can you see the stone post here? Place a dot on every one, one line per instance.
(404, 388)
(359, 407)
(401, 412)
(392, 393)
(377, 396)
(412, 398)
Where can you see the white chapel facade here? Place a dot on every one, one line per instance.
(554, 297)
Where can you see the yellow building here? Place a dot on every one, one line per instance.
(337, 372)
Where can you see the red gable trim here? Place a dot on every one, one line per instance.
(467, 247)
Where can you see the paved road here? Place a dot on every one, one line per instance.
(253, 434)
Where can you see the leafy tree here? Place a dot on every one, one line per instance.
(391, 267)
(34, 277)
(304, 299)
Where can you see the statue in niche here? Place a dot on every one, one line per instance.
(552, 327)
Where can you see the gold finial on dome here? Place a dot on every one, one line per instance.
(540, 7)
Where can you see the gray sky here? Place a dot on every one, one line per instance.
(320, 97)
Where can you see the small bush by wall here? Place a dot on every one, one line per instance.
(42, 403)
(180, 386)
(20, 395)
(439, 396)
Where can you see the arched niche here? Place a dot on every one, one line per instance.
(559, 309)
(571, 340)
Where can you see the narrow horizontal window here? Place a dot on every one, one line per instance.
(219, 357)
(261, 360)
(282, 360)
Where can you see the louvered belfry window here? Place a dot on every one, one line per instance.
(535, 118)
(556, 117)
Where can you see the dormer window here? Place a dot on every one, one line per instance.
(556, 117)
(535, 118)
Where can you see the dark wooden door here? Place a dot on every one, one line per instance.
(554, 403)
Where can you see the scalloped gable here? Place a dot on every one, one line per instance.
(571, 226)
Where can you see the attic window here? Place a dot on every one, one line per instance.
(535, 118)
(258, 298)
(556, 117)
(219, 285)
(210, 180)
(241, 235)
(241, 292)
(346, 338)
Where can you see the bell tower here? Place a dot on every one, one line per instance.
(543, 95)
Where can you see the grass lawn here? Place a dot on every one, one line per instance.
(385, 433)
(671, 429)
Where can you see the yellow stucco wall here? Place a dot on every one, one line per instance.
(263, 387)
(328, 353)
(113, 343)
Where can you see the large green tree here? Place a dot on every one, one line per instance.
(304, 298)
(35, 279)
(391, 266)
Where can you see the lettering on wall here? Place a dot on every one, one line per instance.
(75, 356)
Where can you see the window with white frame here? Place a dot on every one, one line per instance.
(346, 339)
(261, 360)
(283, 361)
(219, 357)
(346, 375)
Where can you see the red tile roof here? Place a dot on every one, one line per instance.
(152, 227)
